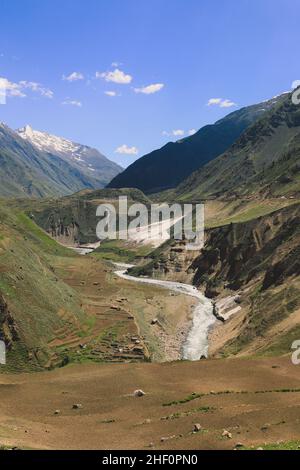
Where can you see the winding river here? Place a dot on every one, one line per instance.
(196, 344)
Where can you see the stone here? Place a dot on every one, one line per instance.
(57, 412)
(77, 406)
(227, 434)
(197, 427)
(139, 393)
(238, 445)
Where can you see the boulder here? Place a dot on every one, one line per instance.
(238, 445)
(227, 434)
(77, 406)
(197, 427)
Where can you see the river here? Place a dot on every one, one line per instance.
(196, 343)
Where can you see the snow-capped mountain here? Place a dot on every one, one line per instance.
(26, 170)
(87, 159)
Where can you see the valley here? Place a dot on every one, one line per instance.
(203, 337)
(113, 335)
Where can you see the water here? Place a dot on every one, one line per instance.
(196, 343)
(82, 250)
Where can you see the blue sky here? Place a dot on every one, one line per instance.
(171, 57)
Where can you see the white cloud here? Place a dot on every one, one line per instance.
(116, 64)
(116, 76)
(73, 77)
(150, 89)
(222, 103)
(11, 89)
(72, 103)
(213, 101)
(295, 84)
(178, 132)
(192, 131)
(38, 88)
(227, 104)
(110, 93)
(18, 89)
(125, 150)
(174, 133)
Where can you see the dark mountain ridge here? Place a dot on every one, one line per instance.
(264, 160)
(167, 167)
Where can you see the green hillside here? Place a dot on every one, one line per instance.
(264, 161)
(167, 167)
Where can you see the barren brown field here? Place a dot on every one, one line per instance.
(120, 315)
(257, 401)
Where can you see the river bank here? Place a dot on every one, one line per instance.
(195, 344)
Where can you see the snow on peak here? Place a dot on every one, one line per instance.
(56, 145)
(48, 142)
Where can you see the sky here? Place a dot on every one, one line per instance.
(127, 76)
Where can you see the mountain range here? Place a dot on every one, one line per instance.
(264, 161)
(254, 149)
(37, 164)
(167, 167)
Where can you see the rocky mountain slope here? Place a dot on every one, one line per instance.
(167, 167)
(252, 271)
(264, 161)
(87, 160)
(260, 261)
(72, 220)
(25, 170)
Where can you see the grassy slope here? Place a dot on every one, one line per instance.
(58, 301)
(265, 160)
(78, 210)
(167, 167)
(36, 298)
